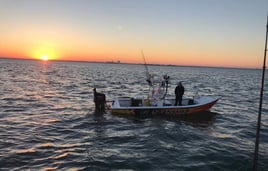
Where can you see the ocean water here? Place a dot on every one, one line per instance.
(48, 122)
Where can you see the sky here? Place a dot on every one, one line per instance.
(221, 33)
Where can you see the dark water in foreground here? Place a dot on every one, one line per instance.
(47, 119)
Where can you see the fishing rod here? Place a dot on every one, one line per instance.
(255, 162)
(146, 69)
(148, 79)
(164, 83)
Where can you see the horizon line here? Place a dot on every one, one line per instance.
(128, 63)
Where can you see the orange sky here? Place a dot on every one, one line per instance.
(185, 33)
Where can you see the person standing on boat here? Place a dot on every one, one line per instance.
(179, 91)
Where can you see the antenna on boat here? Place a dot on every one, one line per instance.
(255, 163)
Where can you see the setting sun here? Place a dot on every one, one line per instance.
(44, 53)
(44, 57)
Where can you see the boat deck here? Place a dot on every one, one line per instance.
(131, 102)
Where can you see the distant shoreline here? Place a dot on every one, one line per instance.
(125, 63)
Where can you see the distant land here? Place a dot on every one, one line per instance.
(119, 62)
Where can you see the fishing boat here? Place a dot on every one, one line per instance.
(165, 107)
(156, 103)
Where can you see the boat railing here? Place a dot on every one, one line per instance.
(136, 102)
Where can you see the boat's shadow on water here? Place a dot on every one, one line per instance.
(201, 119)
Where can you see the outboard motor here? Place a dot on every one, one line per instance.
(99, 100)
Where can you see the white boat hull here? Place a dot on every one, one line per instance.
(124, 106)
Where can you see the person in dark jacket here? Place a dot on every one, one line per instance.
(99, 100)
(179, 91)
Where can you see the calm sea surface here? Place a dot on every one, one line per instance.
(47, 119)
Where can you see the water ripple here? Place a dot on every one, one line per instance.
(47, 119)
